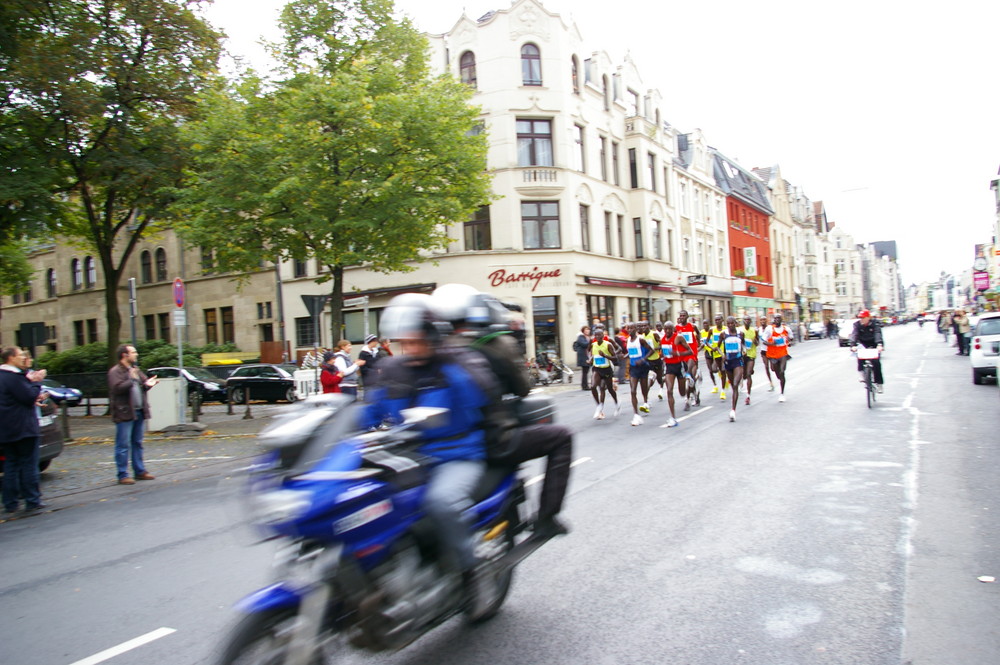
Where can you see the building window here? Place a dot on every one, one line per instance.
(657, 248)
(575, 75)
(534, 142)
(478, 236)
(614, 163)
(633, 169)
(467, 68)
(146, 267)
(637, 232)
(540, 224)
(651, 158)
(305, 331)
(604, 158)
(531, 65)
(722, 261)
(687, 253)
(207, 260)
(585, 227)
(684, 200)
(299, 268)
(607, 234)
(78, 333)
(264, 310)
(633, 103)
(670, 246)
(701, 256)
(50, 279)
(149, 323)
(89, 273)
(164, 318)
(841, 288)
(161, 265)
(91, 331)
(228, 325)
(211, 326)
(840, 265)
(545, 316)
(266, 332)
(581, 151)
(606, 91)
(76, 270)
(620, 233)
(666, 185)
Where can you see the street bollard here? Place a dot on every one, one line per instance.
(64, 412)
(88, 414)
(246, 400)
(229, 401)
(195, 405)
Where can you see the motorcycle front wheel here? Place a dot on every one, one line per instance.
(263, 638)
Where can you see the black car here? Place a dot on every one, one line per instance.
(60, 393)
(51, 436)
(199, 380)
(262, 381)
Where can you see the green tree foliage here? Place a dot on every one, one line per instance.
(95, 92)
(152, 353)
(356, 157)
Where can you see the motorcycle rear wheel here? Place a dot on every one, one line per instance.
(263, 638)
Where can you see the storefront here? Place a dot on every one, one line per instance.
(755, 307)
(704, 304)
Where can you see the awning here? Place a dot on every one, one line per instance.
(600, 281)
(705, 292)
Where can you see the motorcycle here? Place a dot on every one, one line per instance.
(358, 564)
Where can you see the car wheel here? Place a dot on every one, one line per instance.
(977, 378)
(44, 465)
(290, 395)
(237, 395)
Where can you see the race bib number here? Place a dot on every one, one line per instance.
(715, 338)
(600, 361)
(688, 337)
(748, 343)
(778, 341)
(668, 351)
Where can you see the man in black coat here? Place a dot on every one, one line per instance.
(20, 390)
(581, 346)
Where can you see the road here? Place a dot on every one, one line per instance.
(813, 531)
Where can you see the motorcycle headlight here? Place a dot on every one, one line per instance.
(280, 505)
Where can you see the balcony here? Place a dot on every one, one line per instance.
(539, 181)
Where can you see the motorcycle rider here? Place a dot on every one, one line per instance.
(425, 374)
(480, 322)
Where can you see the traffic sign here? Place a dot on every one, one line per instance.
(179, 292)
(180, 317)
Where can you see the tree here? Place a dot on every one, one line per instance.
(356, 157)
(96, 91)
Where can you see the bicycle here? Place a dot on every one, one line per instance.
(868, 355)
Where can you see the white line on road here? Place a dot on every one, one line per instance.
(537, 479)
(108, 654)
(690, 415)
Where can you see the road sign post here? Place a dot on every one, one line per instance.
(180, 320)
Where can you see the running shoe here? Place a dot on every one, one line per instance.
(722, 395)
(644, 408)
(781, 398)
(748, 400)
(771, 389)
(687, 403)
(599, 413)
(732, 416)
(659, 395)
(672, 423)
(714, 389)
(636, 420)
(618, 409)
(878, 388)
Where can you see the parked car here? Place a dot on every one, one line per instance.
(816, 330)
(60, 393)
(199, 380)
(51, 439)
(263, 381)
(844, 334)
(984, 347)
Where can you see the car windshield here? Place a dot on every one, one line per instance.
(990, 326)
(202, 374)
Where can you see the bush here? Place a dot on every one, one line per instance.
(152, 353)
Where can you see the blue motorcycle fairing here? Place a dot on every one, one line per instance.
(488, 509)
(278, 596)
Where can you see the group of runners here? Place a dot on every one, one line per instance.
(667, 354)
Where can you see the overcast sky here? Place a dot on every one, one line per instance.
(887, 111)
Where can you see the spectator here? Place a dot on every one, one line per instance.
(20, 390)
(962, 328)
(371, 353)
(581, 345)
(329, 377)
(127, 388)
(348, 369)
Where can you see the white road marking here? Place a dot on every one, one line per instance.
(702, 409)
(108, 654)
(537, 479)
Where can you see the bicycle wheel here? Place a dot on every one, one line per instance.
(869, 386)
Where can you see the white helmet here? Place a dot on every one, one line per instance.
(408, 316)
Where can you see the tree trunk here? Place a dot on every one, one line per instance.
(336, 304)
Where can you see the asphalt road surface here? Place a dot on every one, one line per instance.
(813, 531)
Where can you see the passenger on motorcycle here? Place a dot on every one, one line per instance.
(480, 322)
(426, 374)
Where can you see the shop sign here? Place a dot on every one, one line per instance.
(504, 277)
(982, 280)
(695, 280)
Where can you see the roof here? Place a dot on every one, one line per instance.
(739, 183)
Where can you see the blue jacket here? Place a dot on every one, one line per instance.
(17, 407)
(442, 383)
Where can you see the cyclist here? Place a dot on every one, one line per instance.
(868, 334)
